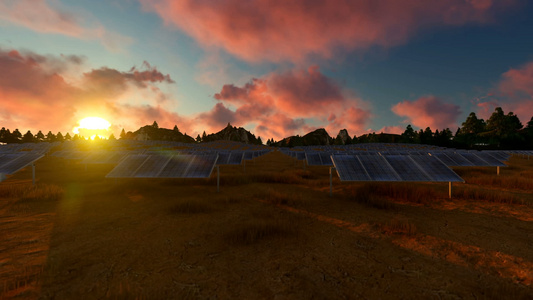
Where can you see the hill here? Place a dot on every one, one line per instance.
(232, 133)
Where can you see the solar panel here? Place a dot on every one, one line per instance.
(151, 167)
(235, 158)
(436, 169)
(491, 160)
(11, 163)
(313, 159)
(223, 158)
(176, 167)
(349, 168)
(128, 166)
(406, 168)
(378, 168)
(201, 166)
(475, 160)
(445, 159)
(248, 155)
(460, 161)
(300, 155)
(326, 159)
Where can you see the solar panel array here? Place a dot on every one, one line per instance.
(159, 166)
(230, 158)
(471, 159)
(393, 168)
(318, 159)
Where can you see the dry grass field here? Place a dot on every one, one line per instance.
(271, 233)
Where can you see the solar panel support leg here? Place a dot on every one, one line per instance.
(498, 170)
(218, 179)
(33, 173)
(450, 189)
(304, 164)
(331, 181)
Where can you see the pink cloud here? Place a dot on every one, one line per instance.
(39, 16)
(513, 93)
(290, 30)
(428, 111)
(279, 104)
(36, 94)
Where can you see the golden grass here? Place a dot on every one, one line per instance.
(397, 226)
(30, 192)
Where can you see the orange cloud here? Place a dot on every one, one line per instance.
(279, 103)
(428, 111)
(290, 30)
(39, 16)
(36, 94)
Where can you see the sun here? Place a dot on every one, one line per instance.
(91, 127)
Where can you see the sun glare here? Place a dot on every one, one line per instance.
(91, 127)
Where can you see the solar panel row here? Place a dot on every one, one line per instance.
(11, 163)
(392, 168)
(157, 166)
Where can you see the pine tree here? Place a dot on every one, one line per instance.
(123, 134)
(68, 137)
(59, 137)
(39, 136)
(28, 137)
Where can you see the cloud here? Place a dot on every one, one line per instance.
(513, 93)
(37, 94)
(281, 104)
(290, 30)
(39, 16)
(428, 111)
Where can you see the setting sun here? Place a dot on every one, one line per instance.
(92, 127)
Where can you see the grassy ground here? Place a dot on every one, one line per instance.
(272, 232)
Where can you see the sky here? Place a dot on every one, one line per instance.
(275, 67)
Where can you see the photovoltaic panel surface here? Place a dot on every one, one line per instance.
(128, 166)
(460, 161)
(223, 158)
(248, 155)
(495, 162)
(151, 167)
(176, 167)
(475, 160)
(11, 163)
(436, 170)
(349, 168)
(445, 159)
(378, 168)
(406, 168)
(236, 158)
(325, 159)
(313, 159)
(201, 166)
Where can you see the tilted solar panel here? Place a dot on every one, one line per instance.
(248, 155)
(235, 158)
(151, 167)
(326, 159)
(16, 163)
(223, 158)
(491, 160)
(313, 159)
(201, 166)
(128, 166)
(436, 169)
(460, 161)
(406, 168)
(378, 168)
(176, 167)
(475, 160)
(349, 168)
(445, 159)
(300, 155)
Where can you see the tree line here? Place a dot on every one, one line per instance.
(499, 131)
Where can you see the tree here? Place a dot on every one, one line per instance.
(50, 137)
(259, 141)
(112, 137)
(28, 137)
(39, 136)
(16, 136)
(204, 136)
(176, 129)
(59, 137)
(123, 134)
(68, 137)
(409, 135)
(198, 138)
(472, 125)
(503, 128)
(155, 125)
